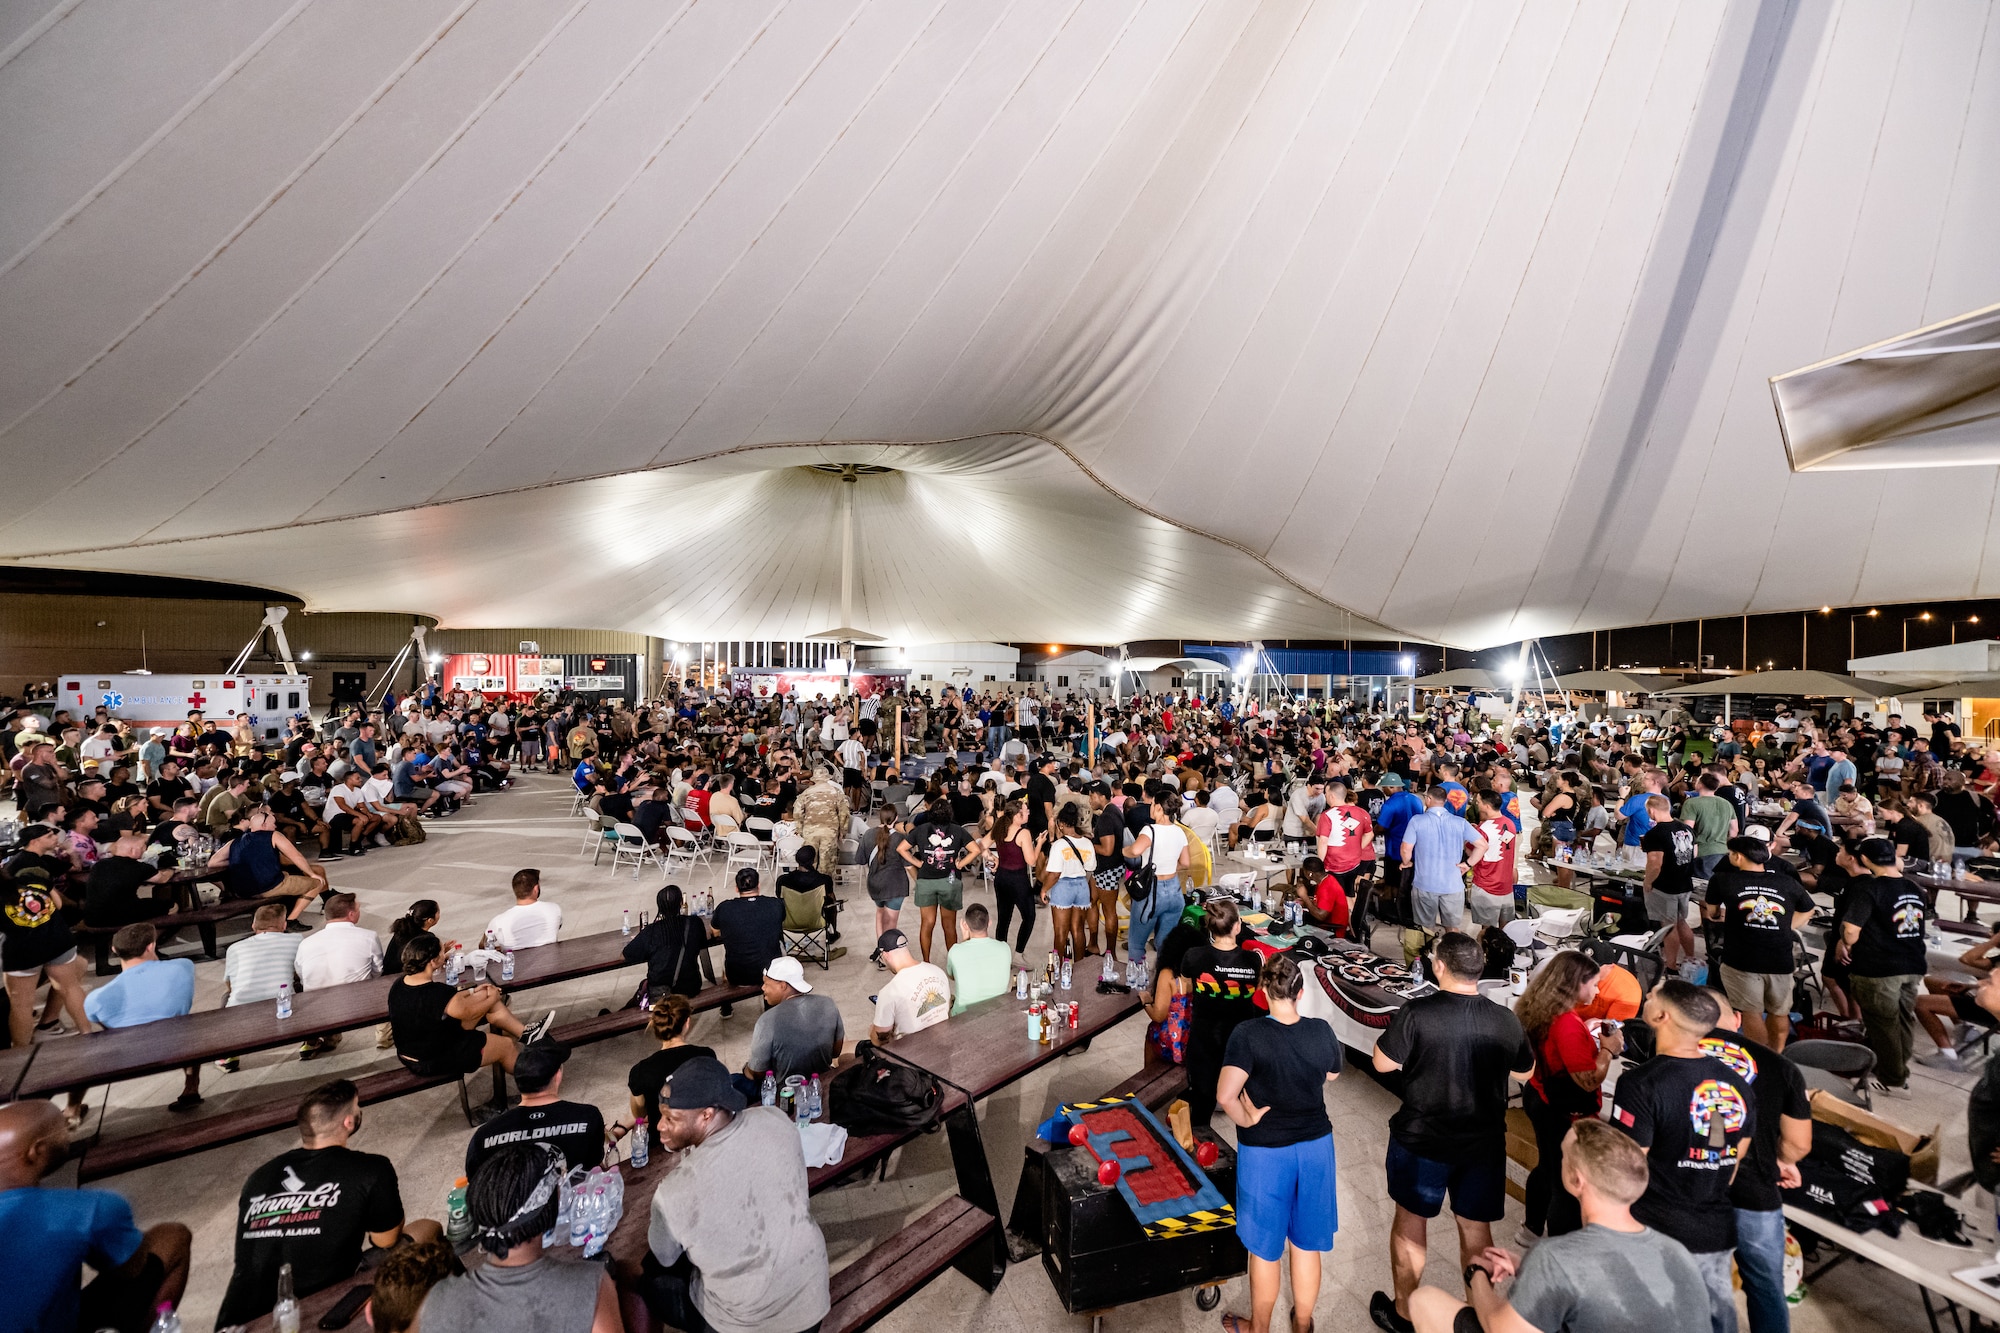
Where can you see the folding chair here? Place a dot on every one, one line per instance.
(607, 836)
(760, 826)
(630, 845)
(685, 850)
(744, 850)
(1841, 1067)
(784, 853)
(582, 800)
(806, 932)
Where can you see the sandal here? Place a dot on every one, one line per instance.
(187, 1101)
(1235, 1323)
(75, 1116)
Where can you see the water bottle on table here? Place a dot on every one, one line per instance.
(284, 999)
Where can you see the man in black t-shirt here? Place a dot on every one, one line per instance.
(170, 786)
(1760, 912)
(752, 928)
(1456, 1051)
(1107, 835)
(1041, 795)
(576, 1129)
(314, 1208)
(1671, 854)
(1783, 1137)
(1695, 1118)
(1882, 942)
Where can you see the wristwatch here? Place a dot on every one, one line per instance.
(1470, 1269)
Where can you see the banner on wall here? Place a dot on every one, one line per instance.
(767, 682)
(503, 673)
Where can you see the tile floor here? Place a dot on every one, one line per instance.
(465, 866)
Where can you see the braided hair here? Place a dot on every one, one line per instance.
(515, 1195)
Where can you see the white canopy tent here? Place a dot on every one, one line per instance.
(1172, 317)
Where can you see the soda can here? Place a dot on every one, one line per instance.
(1075, 1016)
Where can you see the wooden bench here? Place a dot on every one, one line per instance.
(99, 1160)
(204, 919)
(1154, 1086)
(893, 1270)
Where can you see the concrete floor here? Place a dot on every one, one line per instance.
(466, 865)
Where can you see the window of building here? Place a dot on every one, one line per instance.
(1062, 680)
(986, 677)
(922, 678)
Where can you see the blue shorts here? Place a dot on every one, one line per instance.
(1286, 1194)
(1418, 1184)
(1071, 892)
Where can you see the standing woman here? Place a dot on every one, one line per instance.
(1557, 813)
(1570, 1066)
(888, 872)
(1066, 886)
(1013, 886)
(1274, 1077)
(1223, 975)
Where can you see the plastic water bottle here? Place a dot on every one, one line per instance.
(1109, 973)
(579, 1217)
(770, 1087)
(507, 966)
(642, 1150)
(165, 1320)
(625, 925)
(1021, 985)
(284, 999)
(457, 1217)
(285, 1311)
(813, 1104)
(600, 1220)
(452, 966)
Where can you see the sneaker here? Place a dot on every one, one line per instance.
(229, 1066)
(332, 854)
(1525, 1240)
(539, 1030)
(1944, 1058)
(381, 840)
(1900, 1090)
(1382, 1309)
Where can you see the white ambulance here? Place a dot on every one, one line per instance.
(163, 702)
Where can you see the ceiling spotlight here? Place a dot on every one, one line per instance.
(305, 657)
(1925, 616)
(1825, 610)
(1873, 612)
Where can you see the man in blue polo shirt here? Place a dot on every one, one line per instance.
(1434, 844)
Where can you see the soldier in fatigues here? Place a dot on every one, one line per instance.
(822, 816)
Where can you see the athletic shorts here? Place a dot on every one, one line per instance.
(465, 1058)
(1758, 992)
(1286, 1194)
(1668, 909)
(1438, 909)
(1072, 892)
(62, 959)
(1488, 909)
(126, 1304)
(1967, 1008)
(1478, 1189)
(945, 893)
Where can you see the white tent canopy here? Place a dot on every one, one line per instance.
(1624, 682)
(1179, 317)
(1459, 678)
(1792, 684)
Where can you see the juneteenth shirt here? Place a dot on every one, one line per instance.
(312, 1208)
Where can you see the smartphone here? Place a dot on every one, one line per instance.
(342, 1314)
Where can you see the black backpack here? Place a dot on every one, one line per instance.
(877, 1095)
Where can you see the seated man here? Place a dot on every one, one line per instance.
(752, 929)
(918, 996)
(55, 1232)
(254, 968)
(409, 781)
(146, 989)
(980, 967)
(513, 1200)
(111, 895)
(258, 865)
(353, 824)
(296, 820)
(758, 1263)
(530, 922)
(806, 877)
(315, 1207)
(1613, 1274)
(575, 1129)
(1947, 1003)
(799, 1032)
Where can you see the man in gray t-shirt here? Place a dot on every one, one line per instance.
(799, 1032)
(1613, 1275)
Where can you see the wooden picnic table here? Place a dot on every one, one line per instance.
(94, 1058)
(987, 1047)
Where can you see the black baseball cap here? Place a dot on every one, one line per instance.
(1876, 851)
(538, 1064)
(891, 940)
(700, 1083)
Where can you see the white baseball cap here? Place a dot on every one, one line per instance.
(788, 971)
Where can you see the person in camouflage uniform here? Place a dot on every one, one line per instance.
(822, 815)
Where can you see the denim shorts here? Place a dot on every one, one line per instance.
(1073, 892)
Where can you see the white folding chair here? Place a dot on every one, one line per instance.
(684, 849)
(592, 834)
(784, 852)
(582, 799)
(607, 836)
(630, 845)
(744, 850)
(758, 824)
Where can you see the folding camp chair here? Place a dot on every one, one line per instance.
(807, 935)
